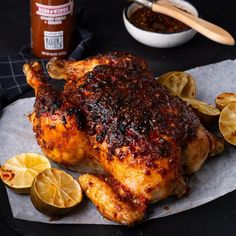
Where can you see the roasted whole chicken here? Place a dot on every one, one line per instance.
(114, 117)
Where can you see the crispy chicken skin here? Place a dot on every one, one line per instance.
(113, 113)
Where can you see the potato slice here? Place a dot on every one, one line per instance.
(223, 99)
(205, 112)
(179, 83)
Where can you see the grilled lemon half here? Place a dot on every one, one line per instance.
(227, 123)
(54, 192)
(19, 171)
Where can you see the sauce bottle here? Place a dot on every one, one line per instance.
(52, 27)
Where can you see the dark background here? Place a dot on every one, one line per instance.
(104, 18)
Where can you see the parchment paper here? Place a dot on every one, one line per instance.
(216, 178)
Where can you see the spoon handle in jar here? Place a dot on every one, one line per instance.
(204, 27)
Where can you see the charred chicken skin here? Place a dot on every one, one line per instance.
(113, 115)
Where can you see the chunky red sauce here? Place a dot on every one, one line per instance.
(146, 19)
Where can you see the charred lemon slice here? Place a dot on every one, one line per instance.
(54, 192)
(189, 90)
(227, 123)
(202, 107)
(205, 112)
(179, 83)
(19, 171)
(224, 99)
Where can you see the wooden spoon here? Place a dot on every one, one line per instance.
(204, 27)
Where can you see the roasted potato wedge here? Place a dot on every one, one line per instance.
(179, 83)
(205, 112)
(223, 99)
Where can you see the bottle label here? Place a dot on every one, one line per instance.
(54, 15)
(53, 40)
(53, 11)
(52, 27)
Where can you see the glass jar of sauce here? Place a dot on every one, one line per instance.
(52, 27)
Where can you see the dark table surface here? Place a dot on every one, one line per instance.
(104, 18)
